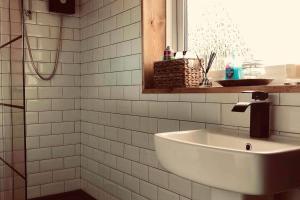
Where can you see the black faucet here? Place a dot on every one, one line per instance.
(259, 114)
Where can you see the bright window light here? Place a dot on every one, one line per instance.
(266, 30)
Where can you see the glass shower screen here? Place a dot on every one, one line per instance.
(12, 102)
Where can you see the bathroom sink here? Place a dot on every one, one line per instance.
(231, 162)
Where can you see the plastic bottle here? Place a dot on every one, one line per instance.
(233, 69)
(168, 53)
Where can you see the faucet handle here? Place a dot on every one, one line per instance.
(258, 95)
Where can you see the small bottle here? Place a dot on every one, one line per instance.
(168, 53)
(233, 70)
(229, 72)
(238, 72)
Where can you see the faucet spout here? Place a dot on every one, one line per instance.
(241, 106)
(259, 114)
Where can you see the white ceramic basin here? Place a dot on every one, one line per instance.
(222, 161)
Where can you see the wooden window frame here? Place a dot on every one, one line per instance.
(154, 22)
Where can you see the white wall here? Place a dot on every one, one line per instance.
(53, 107)
(118, 121)
(115, 120)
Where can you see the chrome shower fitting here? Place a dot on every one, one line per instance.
(28, 11)
(28, 14)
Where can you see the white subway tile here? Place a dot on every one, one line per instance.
(140, 171)
(180, 185)
(285, 118)
(51, 140)
(123, 193)
(131, 3)
(124, 165)
(206, 112)
(117, 176)
(148, 190)
(50, 92)
(132, 31)
(222, 98)
(64, 127)
(290, 99)
(48, 19)
(137, 197)
(38, 129)
(63, 151)
(52, 188)
(179, 110)
(132, 153)
(200, 192)
(233, 118)
(33, 191)
(158, 177)
(185, 125)
(123, 19)
(39, 105)
(63, 104)
(39, 178)
(165, 125)
(38, 154)
(140, 139)
(32, 142)
(50, 116)
(117, 7)
(131, 183)
(158, 109)
(217, 194)
(167, 195)
(117, 148)
(132, 92)
(148, 157)
(65, 174)
(109, 24)
(52, 164)
(136, 14)
(72, 185)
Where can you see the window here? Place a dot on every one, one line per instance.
(264, 31)
(259, 31)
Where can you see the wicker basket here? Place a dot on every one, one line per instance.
(178, 73)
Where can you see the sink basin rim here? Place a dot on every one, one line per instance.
(273, 139)
(206, 159)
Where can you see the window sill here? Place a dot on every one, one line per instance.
(269, 89)
(154, 43)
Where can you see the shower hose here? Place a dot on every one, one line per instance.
(59, 46)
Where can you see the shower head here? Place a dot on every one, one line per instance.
(62, 6)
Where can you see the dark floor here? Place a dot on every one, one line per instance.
(74, 195)
(71, 198)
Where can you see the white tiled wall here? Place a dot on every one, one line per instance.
(92, 128)
(118, 121)
(53, 107)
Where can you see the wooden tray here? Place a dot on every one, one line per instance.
(244, 82)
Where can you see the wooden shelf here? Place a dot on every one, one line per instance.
(269, 89)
